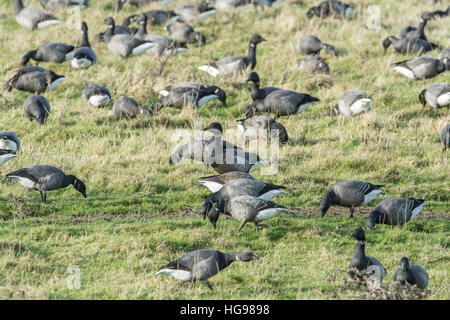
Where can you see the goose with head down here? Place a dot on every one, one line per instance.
(126, 107)
(36, 108)
(437, 95)
(34, 79)
(216, 182)
(312, 45)
(97, 95)
(33, 18)
(422, 67)
(395, 211)
(353, 103)
(408, 45)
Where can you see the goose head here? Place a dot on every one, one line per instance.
(359, 234)
(215, 128)
(256, 38)
(222, 96)
(404, 264)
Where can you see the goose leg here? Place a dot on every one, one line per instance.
(256, 227)
(208, 284)
(191, 283)
(43, 196)
(351, 211)
(242, 225)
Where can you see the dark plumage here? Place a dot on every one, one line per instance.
(258, 93)
(126, 107)
(34, 79)
(59, 5)
(36, 108)
(349, 194)
(421, 68)
(412, 274)
(408, 45)
(262, 127)
(313, 64)
(84, 56)
(49, 52)
(445, 137)
(97, 95)
(329, 8)
(395, 211)
(216, 182)
(9, 146)
(418, 33)
(45, 178)
(154, 17)
(312, 45)
(183, 33)
(33, 18)
(437, 95)
(203, 264)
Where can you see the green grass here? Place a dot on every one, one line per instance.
(142, 213)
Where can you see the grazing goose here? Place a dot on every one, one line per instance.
(216, 182)
(203, 264)
(442, 13)
(330, 8)
(36, 108)
(154, 17)
(194, 94)
(192, 12)
(49, 52)
(84, 56)
(444, 54)
(261, 127)
(313, 64)
(422, 67)
(242, 187)
(395, 211)
(412, 274)
(34, 79)
(312, 45)
(59, 5)
(97, 95)
(437, 95)
(349, 194)
(413, 32)
(359, 259)
(246, 209)
(234, 65)
(445, 137)
(284, 102)
(408, 45)
(258, 93)
(9, 146)
(163, 44)
(124, 44)
(45, 178)
(353, 103)
(126, 107)
(32, 18)
(183, 33)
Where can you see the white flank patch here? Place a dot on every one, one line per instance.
(444, 99)
(211, 70)
(348, 12)
(268, 214)
(417, 210)
(177, 274)
(258, 163)
(99, 100)
(271, 194)
(404, 71)
(69, 55)
(56, 82)
(81, 63)
(164, 93)
(372, 195)
(205, 99)
(172, 52)
(8, 145)
(275, 3)
(206, 14)
(362, 105)
(166, 2)
(303, 107)
(212, 186)
(174, 18)
(241, 127)
(48, 23)
(24, 181)
(142, 48)
(6, 157)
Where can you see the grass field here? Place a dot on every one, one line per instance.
(142, 213)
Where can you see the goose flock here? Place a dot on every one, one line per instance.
(234, 191)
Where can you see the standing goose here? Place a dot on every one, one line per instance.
(32, 18)
(34, 79)
(422, 67)
(312, 45)
(163, 44)
(445, 137)
(284, 102)
(313, 64)
(36, 108)
(216, 182)
(359, 259)
(413, 32)
(49, 52)
(9, 146)
(182, 94)
(262, 127)
(258, 93)
(408, 45)
(349, 194)
(234, 65)
(126, 107)
(45, 178)
(412, 274)
(246, 209)
(124, 44)
(59, 5)
(97, 95)
(437, 95)
(191, 12)
(203, 264)
(353, 103)
(84, 56)
(395, 211)
(183, 33)
(242, 187)
(330, 8)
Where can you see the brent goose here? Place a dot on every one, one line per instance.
(412, 274)
(36, 108)
(34, 79)
(330, 8)
(59, 5)
(97, 95)
(422, 67)
(395, 211)
(313, 64)
(49, 52)
(353, 103)
(216, 182)
(445, 137)
(258, 93)
(45, 178)
(408, 45)
(33, 18)
(84, 56)
(154, 17)
(183, 33)
(413, 32)
(9, 146)
(191, 12)
(312, 45)
(126, 107)
(262, 127)
(437, 95)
